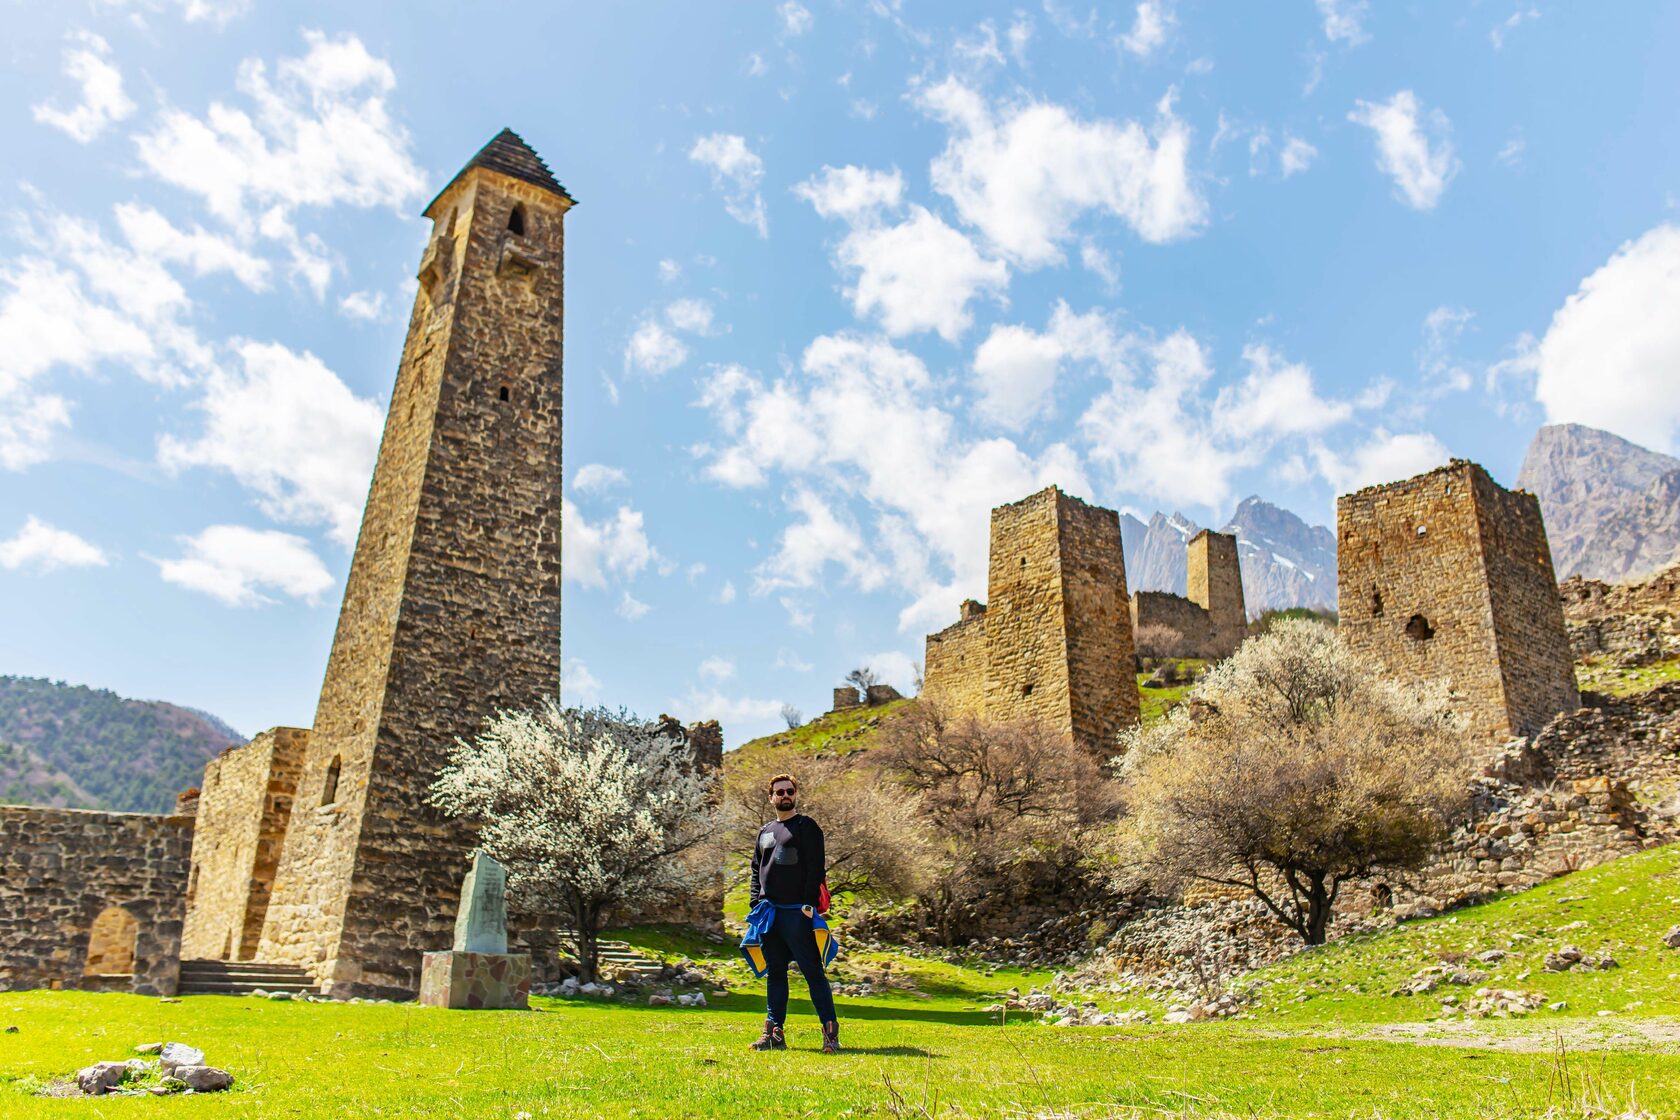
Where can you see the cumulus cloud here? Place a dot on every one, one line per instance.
(1296, 157)
(742, 717)
(1383, 457)
(653, 350)
(597, 478)
(616, 548)
(918, 275)
(692, 315)
(1420, 169)
(736, 174)
(1344, 21)
(630, 608)
(1024, 174)
(669, 271)
(366, 307)
(236, 565)
(864, 422)
(41, 548)
(853, 194)
(1611, 356)
(291, 432)
(103, 101)
(796, 18)
(579, 688)
(894, 667)
(1150, 24)
(717, 668)
(315, 131)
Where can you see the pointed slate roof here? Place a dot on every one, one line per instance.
(510, 155)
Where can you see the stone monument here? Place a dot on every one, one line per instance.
(478, 972)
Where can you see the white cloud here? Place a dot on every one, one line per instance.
(152, 235)
(369, 307)
(798, 616)
(316, 132)
(717, 668)
(796, 18)
(1511, 152)
(1382, 458)
(918, 275)
(736, 174)
(1297, 156)
(980, 49)
(289, 430)
(820, 537)
(756, 66)
(1420, 170)
(631, 608)
(1020, 35)
(1149, 28)
(1100, 263)
(726, 593)
(1024, 174)
(653, 350)
(1441, 330)
(578, 686)
(1611, 356)
(1344, 21)
(787, 659)
(1015, 369)
(692, 315)
(235, 565)
(598, 478)
(669, 271)
(609, 549)
(853, 194)
(894, 667)
(218, 12)
(103, 101)
(1497, 35)
(41, 548)
(741, 716)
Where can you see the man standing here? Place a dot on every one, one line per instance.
(787, 878)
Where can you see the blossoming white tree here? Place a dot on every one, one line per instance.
(589, 811)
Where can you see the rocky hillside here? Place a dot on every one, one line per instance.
(1285, 562)
(1612, 508)
(88, 748)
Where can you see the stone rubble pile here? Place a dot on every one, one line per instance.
(179, 1068)
(1571, 958)
(1494, 1003)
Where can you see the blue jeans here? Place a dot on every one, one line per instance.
(790, 939)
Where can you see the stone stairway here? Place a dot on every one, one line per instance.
(615, 957)
(237, 978)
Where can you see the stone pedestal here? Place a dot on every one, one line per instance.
(455, 978)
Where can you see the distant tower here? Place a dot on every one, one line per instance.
(1448, 576)
(452, 606)
(1215, 585)
(1058, 627)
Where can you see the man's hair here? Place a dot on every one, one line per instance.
(771, 786)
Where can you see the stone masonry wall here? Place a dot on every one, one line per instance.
(1168, 625)
(452, 608)
(1214, 583)
(245, 805)
(62, 869)
(954, 667)
(1103, 692)
(1433, 571)
(1632, 624)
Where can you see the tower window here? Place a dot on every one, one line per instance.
(1376, 604)
(516, 221)
(1418, 629)
(329, 788)
(502, 393)
(1023, 561)
(1026, 690)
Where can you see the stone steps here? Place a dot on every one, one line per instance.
(241, 978)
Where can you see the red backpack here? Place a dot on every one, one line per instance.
(823, 899)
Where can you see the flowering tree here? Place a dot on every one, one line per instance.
(1295, 766)
(589, 811)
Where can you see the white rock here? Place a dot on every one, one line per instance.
(101, 1077)
(180, 1054)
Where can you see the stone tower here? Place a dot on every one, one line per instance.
(1058, 629)
(1448, 576)
(1215, 585)
(452, 606)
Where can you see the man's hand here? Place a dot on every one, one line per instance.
(808, 911)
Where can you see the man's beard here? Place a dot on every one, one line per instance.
(784, 804)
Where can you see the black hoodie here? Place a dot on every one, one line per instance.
(787, 862)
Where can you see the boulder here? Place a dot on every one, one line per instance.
(204, 1079)
(176, 1054)
(148, 1048)
(1671, 939)
(101, 1077)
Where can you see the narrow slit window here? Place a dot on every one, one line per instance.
(1376, 604)
(329, 788)
(502, 393)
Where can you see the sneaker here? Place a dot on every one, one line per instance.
(831, 1037)
(772, 1038)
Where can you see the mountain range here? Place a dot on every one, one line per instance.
(1612, 508)
(1285, 561)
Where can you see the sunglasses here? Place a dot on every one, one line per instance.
(783, 792)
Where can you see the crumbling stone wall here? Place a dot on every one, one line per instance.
(245, 805)
(1632, 624)
(63, 871)
(452, 606)
(1055, 639)
(1448, 576)
(1168, 625)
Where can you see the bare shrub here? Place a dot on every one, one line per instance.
(1156, 640)
(1295, 767)
(792, 716)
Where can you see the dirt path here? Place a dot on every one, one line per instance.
(1662, 1035)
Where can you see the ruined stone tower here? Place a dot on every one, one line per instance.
(1448, 575)
(452, 606)
(1054, 641)
(1215, 585)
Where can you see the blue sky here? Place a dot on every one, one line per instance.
(842, 277)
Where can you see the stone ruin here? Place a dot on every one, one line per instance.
(315, 848)
(1211, 621)
(1448, 576)
(1054, 641)
(848, 696)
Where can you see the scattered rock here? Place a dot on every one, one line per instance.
(659, 999)
(204, 1079)
(1179, 1016)
(1492, 956)
(1560, 1005)
(175, 1054)
(11, 1030)
(101, 1077)
(281, 996)
(1671, 939)
(148, 1048)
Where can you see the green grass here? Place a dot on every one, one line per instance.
(1157, 702)
(1626, 905)
(842, 732)
(589, 1060)
(1596, 674)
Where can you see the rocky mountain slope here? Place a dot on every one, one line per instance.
(1612, 508)
(1285, 561)
(81, 747)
